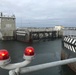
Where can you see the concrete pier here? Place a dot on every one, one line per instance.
(30, 34)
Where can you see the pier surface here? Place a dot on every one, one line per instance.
(33, 33)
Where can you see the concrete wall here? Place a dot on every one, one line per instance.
(8, 23)
(7, 26)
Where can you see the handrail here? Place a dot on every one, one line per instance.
(47, 65)
(41, 66)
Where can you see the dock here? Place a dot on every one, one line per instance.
(8, 31)
(29, 34)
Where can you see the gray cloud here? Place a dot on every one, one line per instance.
(58, 11)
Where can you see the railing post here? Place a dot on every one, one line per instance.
(15, 72)
(12, 72)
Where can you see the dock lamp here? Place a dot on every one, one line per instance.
(5, 59)
(29, 53)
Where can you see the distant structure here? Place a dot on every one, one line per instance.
(69, 31)
(8, 31)
(30, 34)
(7, 26)
(59, 29)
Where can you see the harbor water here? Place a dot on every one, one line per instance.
(46, 51)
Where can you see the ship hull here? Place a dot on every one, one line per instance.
(69, 51)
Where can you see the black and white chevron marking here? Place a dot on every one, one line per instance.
(70, 40)
(70, 47)
(70, 43)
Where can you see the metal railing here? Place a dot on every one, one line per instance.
(41, 66)
(16, 68)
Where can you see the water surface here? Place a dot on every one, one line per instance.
(47, 51)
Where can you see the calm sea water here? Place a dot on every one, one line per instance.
(47, 51)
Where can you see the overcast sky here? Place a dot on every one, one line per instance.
(41, 12)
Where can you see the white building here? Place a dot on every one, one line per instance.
(58, 27)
